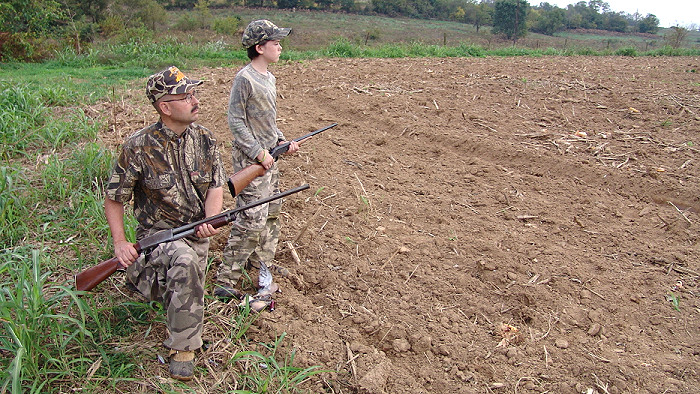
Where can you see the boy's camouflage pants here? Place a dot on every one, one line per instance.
(173, 274)
(255, 232)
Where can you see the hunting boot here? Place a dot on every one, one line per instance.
(181, 364)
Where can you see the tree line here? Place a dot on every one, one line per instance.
(24, 24)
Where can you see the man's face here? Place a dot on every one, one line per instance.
(182, 108)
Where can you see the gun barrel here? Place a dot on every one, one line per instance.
(313, 133)
(280, 149)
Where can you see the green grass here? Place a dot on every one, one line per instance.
(262, 371)
(44, 326)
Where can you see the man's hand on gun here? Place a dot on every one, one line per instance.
(206, 230)
(125, 252)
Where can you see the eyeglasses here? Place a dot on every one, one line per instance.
(188, 97)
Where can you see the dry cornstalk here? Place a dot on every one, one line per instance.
(413, 272)
(306, 226)
(293, 251)
(390, 258)
(679, 211)
(351, 360)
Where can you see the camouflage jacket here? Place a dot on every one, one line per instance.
(252, 112)
(167, 176)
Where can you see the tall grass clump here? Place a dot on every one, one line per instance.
(14, 206)
(83, 168)
(264, 372)
(28, 124)
(44, 336)
(47, 137)
(514, 51)
(471, 50)
(342, 48)
(75, 184)
(670, 51)
(21, 113)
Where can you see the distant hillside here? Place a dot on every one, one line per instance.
(315, 29)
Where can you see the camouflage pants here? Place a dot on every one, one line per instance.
(173, 274)
(255, 232)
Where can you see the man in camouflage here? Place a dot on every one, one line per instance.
(252, 118)
(174, 174)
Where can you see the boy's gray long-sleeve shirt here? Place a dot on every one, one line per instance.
(252, 112)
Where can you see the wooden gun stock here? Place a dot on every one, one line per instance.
(91, 277)
(242, 178)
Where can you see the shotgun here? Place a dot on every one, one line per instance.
(91, 277)
(258, 170)
(283, 148)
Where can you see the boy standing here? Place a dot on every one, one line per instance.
(252, 118)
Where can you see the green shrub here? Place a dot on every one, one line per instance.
(586, 51)
(26, 47)
(627, 51)
(227, 25)
(190, 22)
(111, 26)
(471, 50)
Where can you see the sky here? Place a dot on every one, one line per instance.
(669, 12)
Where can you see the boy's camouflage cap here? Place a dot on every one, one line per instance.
(169, 81)
(262, 30)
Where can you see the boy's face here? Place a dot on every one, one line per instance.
(270, 50)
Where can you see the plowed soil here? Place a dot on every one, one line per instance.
(478, 225)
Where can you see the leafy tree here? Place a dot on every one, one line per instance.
(182, 4)
(151, 14)
(390, 7)
(324, 4)
(676, 36)
(548, 19)
(30, 16)
(478, 14)
(94, 10)
(509, 18)
(459, 14)
(483, 14)
(348, 5)
(288, 4)
(650, 24)
(137, 13)
(615, 22)
(599, 6)
(585, 15)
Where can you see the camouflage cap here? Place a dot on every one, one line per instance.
(169, 81)
(262, 30)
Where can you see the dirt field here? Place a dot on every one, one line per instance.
(481, 225)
